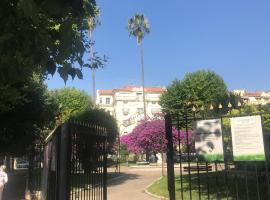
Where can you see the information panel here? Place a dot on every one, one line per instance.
(208, 140)
(247, 138)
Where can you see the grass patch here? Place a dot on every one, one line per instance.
(213, 184)
(258, 157)
(211, 157)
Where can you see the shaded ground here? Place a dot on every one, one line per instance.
(132, 183)
(15, 188)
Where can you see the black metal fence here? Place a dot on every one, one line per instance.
(35, 170)
(88, 166)
(194, 178)
(75, 163)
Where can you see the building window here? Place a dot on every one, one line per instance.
(139, 93)
(108, 100)
(154, 102)
(100, 100)
(140, 110)
(125, 102)
(125, 111)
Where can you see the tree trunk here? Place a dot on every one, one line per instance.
(142, 63)
(163, 163)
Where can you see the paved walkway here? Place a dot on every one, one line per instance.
(131, 185)
(14, 189)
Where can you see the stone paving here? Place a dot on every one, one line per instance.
(131, 184)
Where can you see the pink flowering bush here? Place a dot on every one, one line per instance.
(149, 136)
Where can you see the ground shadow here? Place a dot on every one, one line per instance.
(122, 178)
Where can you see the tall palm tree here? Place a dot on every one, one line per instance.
(92, 23)
(138, 26)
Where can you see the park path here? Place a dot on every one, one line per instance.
(131, 184)
(15, 188)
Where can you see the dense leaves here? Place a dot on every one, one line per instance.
(138, 26)
(44, 36)
(149, 136)
(26, 123)
(100, 117)
(71, 101)
(197, 88)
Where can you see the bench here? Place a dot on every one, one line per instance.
(197, 168)
(142, 163)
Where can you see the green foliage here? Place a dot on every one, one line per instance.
(198, 88)
(138, 26)
(71, 101)
(102, 118)
(45, 37)
(25, 123)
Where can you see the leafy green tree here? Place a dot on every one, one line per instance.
(138, 26)
(42, 36)
(71, 101)
(200, 88)
(103, 118)
(25, 124)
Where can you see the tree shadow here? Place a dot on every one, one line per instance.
(122, 178)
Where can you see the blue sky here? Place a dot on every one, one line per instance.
(227, 36)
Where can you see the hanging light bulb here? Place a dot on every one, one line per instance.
(193, 109)
(202, 108)
(211, 107)
(220, 106)
(239, 104)
(229, 105)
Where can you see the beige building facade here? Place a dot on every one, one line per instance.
(126, 105)
(255, 98)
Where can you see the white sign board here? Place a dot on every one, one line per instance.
(208, 140)
(247, 138)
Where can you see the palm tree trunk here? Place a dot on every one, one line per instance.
(142, 63)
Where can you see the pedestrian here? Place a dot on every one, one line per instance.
(3, 179)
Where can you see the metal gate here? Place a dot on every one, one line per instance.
(88, 168)
(75, 163)
(190, 177)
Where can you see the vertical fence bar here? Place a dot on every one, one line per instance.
(180, 158)
(236, 186)
(64, 182)
(246, 181)
(225, 159)
(170, 163)
(257, 181)
(267, 178)
(216, 179)
(207, 180)
(105, 171)
(197, 162)
(188, 151)
(198, 180)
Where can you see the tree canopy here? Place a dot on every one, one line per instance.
(45, 37)
(138, 26)
(100, 117)
(71, 101)
(199, 88)
(23, 125)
